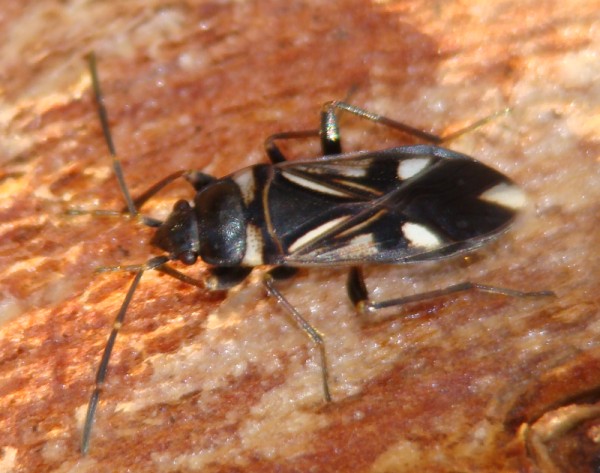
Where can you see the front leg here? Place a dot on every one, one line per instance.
(223, 278)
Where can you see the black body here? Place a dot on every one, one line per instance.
(348, 209)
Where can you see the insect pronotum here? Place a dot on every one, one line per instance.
(399, 205)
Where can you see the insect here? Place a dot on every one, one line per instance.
(399, 205)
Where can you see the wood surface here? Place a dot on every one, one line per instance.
(226, 383)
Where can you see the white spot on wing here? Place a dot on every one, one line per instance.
(254, 246)
(314, 186)
(420, 236)
(364, 239)
(337, 167)
(505, 194)
(365, 243)
(351, 171)
(358, 247)
(408, 168)
(315, 233)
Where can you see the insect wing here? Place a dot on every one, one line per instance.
(398, 205)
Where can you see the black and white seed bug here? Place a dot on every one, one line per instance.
(400, 205)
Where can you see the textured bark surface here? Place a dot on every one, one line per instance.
(217, 383)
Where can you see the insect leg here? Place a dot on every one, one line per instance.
(330, 134)
(148, 221)
(137, 203)
(281, 273)
(153, 263)
(273, 151)
(155, 188)
(223, 278)
(330, 129)
(197, 179)
(311, 332)
(166, 269)
(358, 294)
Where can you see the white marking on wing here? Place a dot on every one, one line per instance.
(408, 168)
(420, 236)
(315, 233)
(505, 194)
(315, 186)
(365, 244)
(351, 171)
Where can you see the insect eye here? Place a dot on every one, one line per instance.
(188, 257)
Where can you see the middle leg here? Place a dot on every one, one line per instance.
(312, 333)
